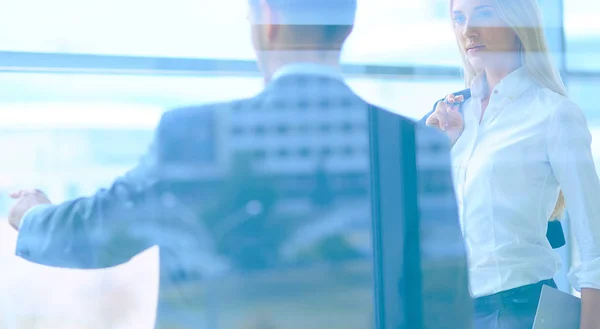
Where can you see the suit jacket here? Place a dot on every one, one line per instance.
(216, 222)
(554, 233)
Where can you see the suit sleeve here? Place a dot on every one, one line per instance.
(107, 228)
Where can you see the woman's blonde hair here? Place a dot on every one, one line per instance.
(525, 19)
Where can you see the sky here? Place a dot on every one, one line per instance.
(387, 31)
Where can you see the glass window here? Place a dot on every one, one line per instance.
(304, 152)
(412, 97)
(423, 37)
(97, 112)
(71, 134)
(306, 181)
(582, 49)
(302, 263)
(130, 27)
(141, 28)
(237, 130)
(580, 89)
(582, 35)
(260, 154)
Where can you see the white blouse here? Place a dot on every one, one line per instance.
(508, 171)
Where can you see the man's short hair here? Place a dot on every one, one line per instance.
(331, 20)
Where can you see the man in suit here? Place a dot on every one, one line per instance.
(168, 199)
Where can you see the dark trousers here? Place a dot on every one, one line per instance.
(511, 309)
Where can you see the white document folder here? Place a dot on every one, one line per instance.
(557, 310)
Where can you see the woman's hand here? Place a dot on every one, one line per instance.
(590, 303)
(447, 118)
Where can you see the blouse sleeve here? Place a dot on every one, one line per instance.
(570, 156)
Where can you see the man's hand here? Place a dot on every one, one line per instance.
(26, 199)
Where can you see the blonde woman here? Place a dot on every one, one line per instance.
(518, 145)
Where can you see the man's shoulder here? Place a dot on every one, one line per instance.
(202, 111)
(195, 116)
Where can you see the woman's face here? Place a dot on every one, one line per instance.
(486, 39)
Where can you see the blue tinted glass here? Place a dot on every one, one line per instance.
(305, 178)
(271, 227)
(580, 89)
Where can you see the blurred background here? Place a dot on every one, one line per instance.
(83, 84)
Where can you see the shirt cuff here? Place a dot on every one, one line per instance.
(32, 211)
(586, 275)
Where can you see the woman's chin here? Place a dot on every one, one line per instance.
(476, 62)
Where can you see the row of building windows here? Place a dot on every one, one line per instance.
(339, 184)
(324, 103)
(306, 152)
(261, 130)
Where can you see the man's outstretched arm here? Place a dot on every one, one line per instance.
(102, 230)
